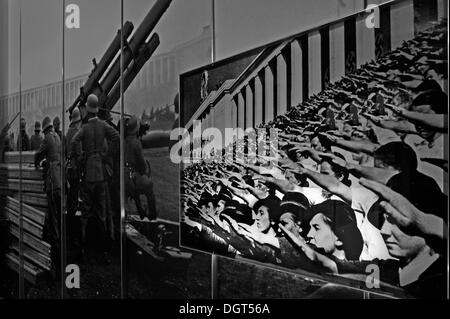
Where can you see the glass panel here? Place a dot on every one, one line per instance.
(41, 188)
(266, 283)
(156, 267)
(92, 228)
(10, 230)
(283, 20)
(274, 209)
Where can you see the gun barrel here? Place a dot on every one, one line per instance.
(105, 61)
(141, 34)
(132, 71)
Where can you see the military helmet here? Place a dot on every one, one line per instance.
(75, 117)
(132, 126)
(46, 123)
(92, 104)
(56, 121)
(23, 123)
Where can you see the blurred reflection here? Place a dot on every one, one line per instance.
(41, 147)
(11, 256)
(92, 149)
(156, 267)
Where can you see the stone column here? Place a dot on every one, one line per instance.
(296, 73)
(337, 51)
(258, 99)
(268, 89)
(249, 106)
(314, 58)
(402, 22)
(281, 85)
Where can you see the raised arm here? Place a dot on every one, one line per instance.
(353, 146)
(406, 215)
(330, 183)
(41, 152)
(377, 174)
(309, 252)
(76, 140)
(437, 122)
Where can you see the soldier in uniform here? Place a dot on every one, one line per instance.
(49, 157)
(73, 180)
(136, 170)
(36, 139)
(92, 137)
(23, 136)
(4, 141)
(57, 127)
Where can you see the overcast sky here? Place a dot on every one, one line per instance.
(240, 25)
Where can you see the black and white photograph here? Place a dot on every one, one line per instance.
(223, 149)
(323, 153)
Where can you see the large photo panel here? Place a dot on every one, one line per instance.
(321, 172)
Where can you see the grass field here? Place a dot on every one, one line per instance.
(165, 176)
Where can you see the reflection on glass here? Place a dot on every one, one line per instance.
(40, 146)
(11, 254)
(156, 266)
(92, 143)
(266, 283)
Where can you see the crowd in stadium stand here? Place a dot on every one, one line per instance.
(360, 178)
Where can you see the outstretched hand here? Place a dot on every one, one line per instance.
(401, 211)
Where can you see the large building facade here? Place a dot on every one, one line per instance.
(156, 85)
(286, 74)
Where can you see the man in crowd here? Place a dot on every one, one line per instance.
(136, 170)
(49, 157)
(4, 141)
(73, 180)
(36, 139)
(57, 127)
(93, 138)
(23, 141)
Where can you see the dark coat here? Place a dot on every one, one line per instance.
(50, 150)
(134, 157)
(71, 132)
(92, 137)
(25, 141)
(35, 142)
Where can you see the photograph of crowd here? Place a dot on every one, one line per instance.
(359, 181)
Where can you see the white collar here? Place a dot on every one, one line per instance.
(411, 272)
(93, 118)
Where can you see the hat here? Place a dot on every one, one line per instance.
(241, 213)
(92, 103)
(132, 126)
(273, 205)
(419, 189)
(294, 203)
(46, 123)
(37, 126)
(56, 121)
(342, 220)
(75, 117)
(225, 195)
(427, 85)
(205, 198)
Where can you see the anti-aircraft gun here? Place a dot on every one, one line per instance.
(104, 79)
